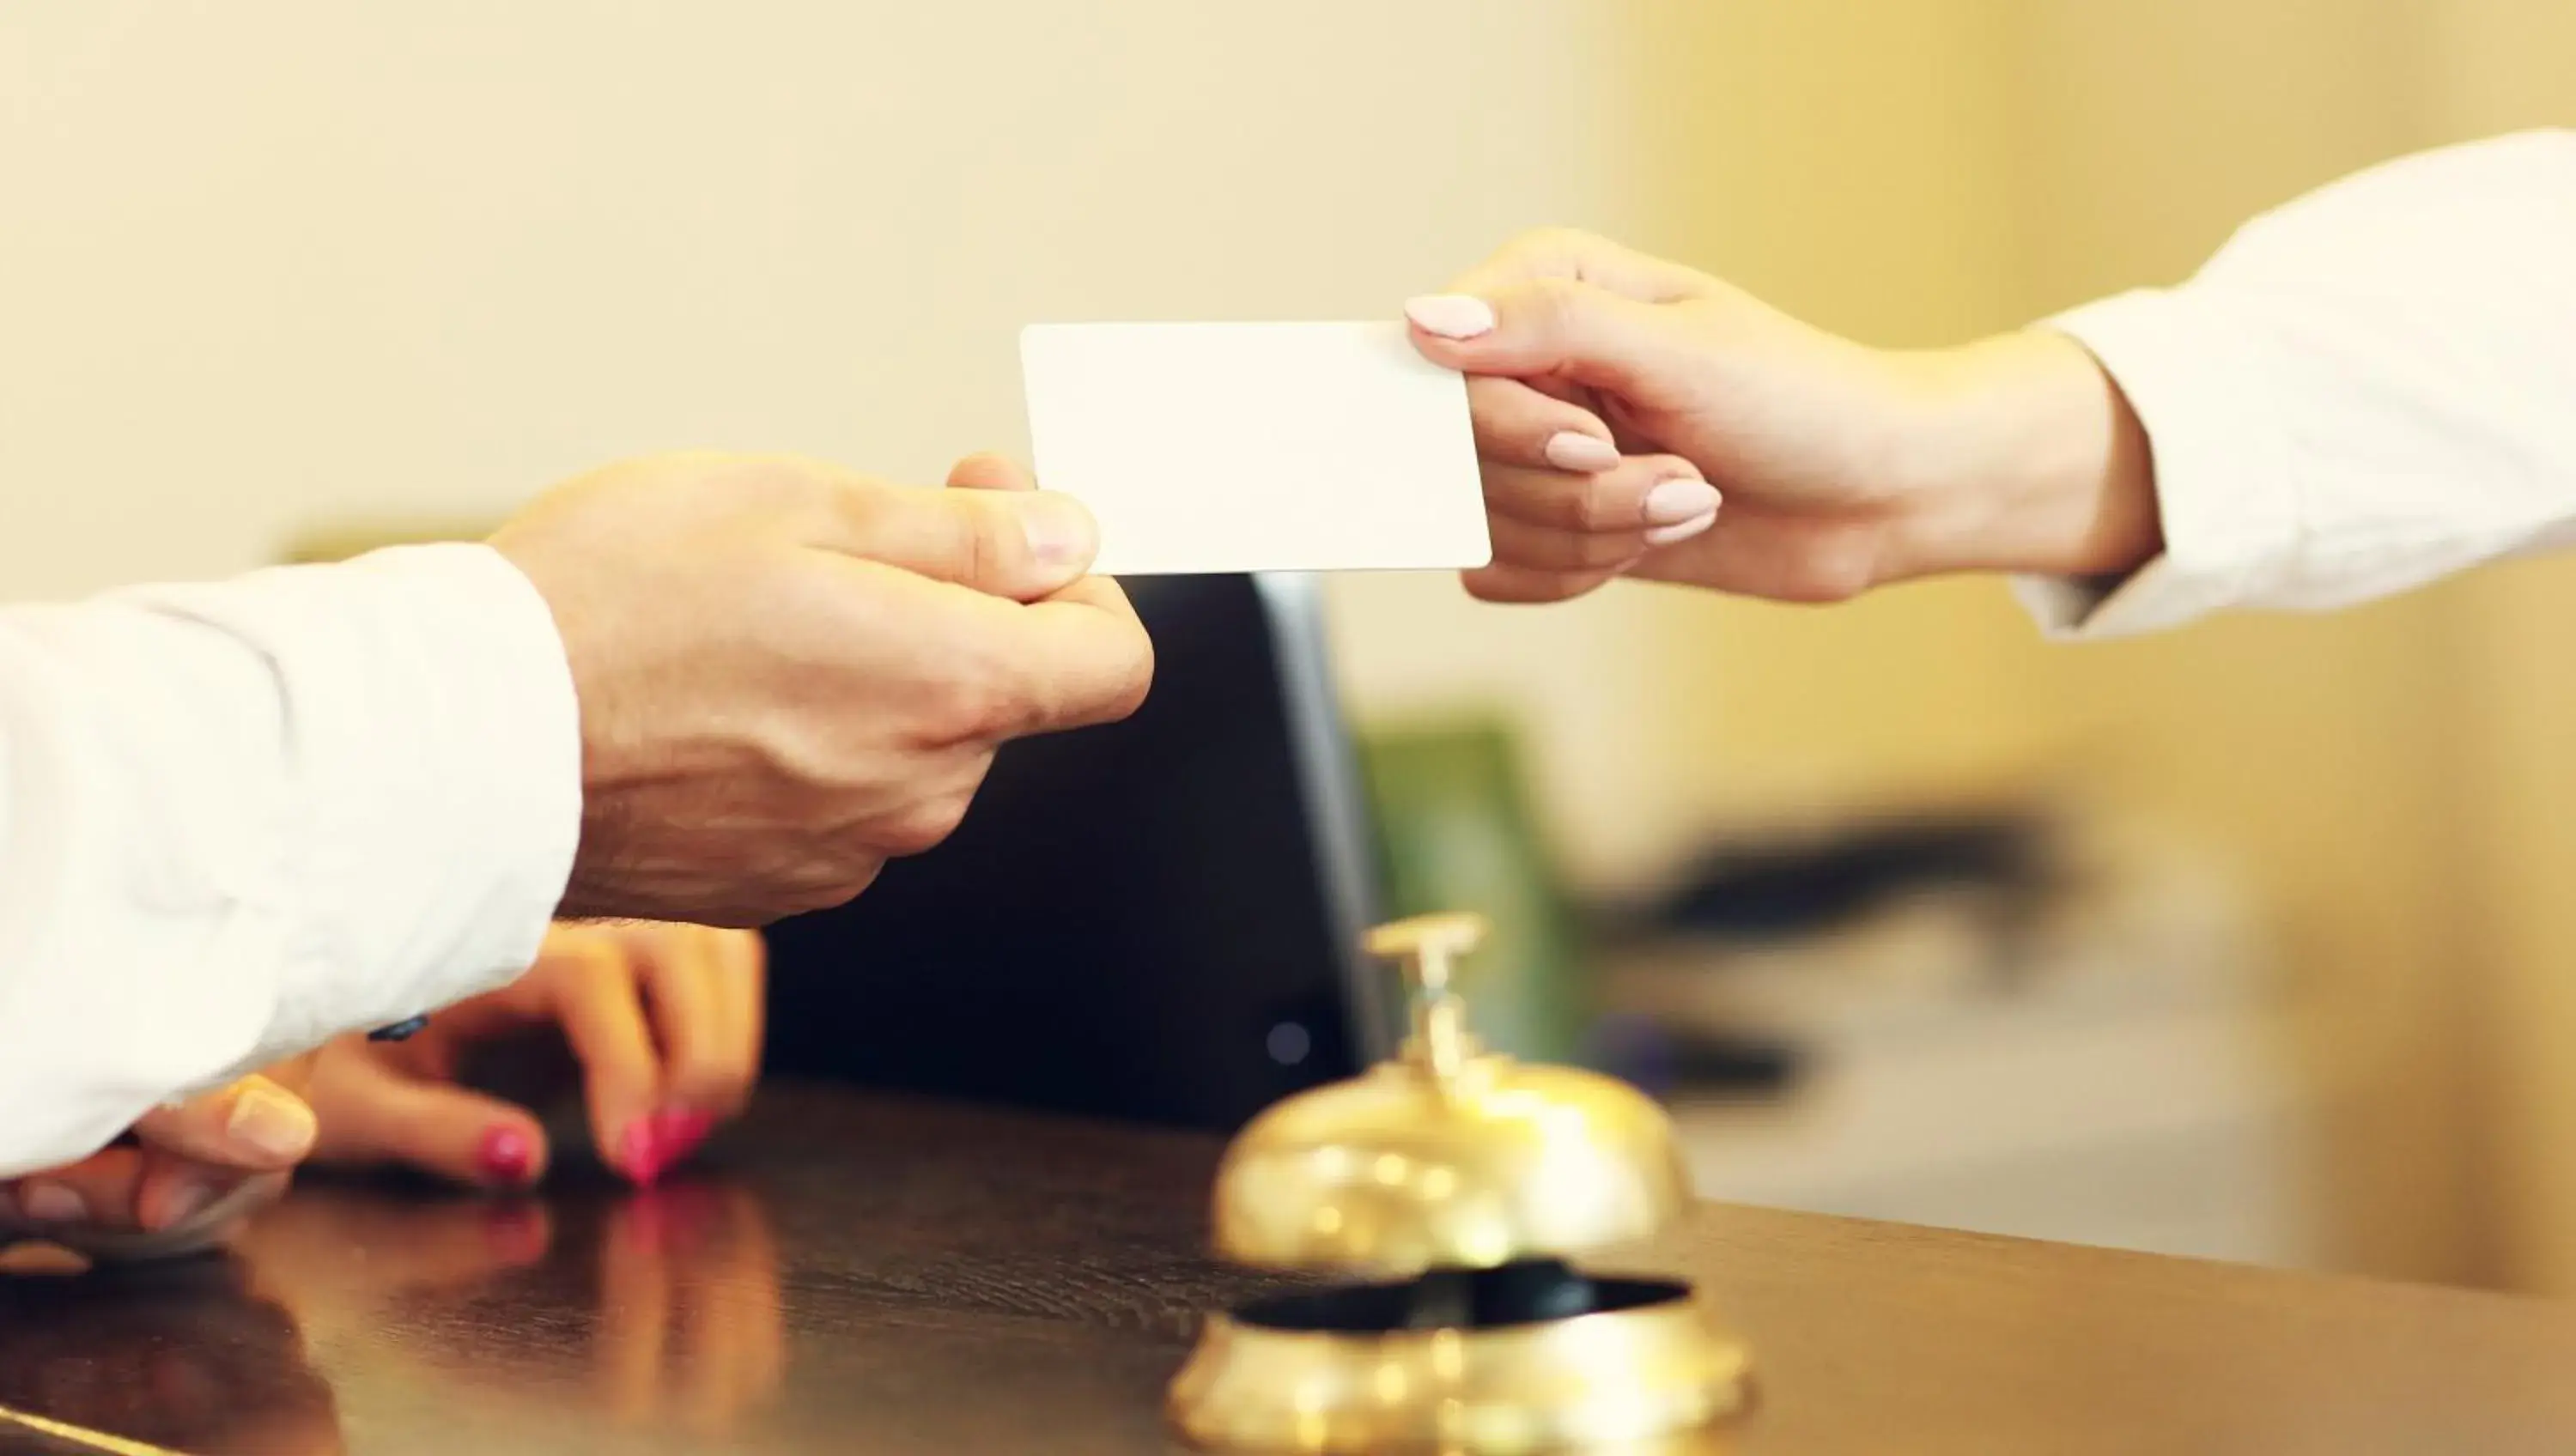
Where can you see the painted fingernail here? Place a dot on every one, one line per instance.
(184, 1203)
(1682, 499)
(682, 1132)
(1681, 531)
(506, 1155)
(1581, 453)
(1451, 315)
(51, 1203)
(639, 1152)
(1060, 531)
(274, 1123)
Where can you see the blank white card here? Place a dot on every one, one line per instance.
(1256, 447)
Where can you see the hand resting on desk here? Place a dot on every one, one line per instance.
(665, 1021)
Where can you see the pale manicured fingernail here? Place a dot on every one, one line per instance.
(186, 1203)
(1060, 531)
(1581, 453)
(1667, 535)
(1681, 499)
(1451, 315)
(51, 1203)
(276, 1124)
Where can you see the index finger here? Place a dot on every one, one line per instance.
(1076, 657)
(990, 471)
(1098, 658)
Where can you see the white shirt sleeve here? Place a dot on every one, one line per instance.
(240, 818)
(2369, 388)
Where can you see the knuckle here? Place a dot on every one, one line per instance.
(599, 965)
(984, 542)
(853, 882)
(1111, 685)
(1831, 579)
(1552, 303)
(700, 1074)
(1513, 421)
(923, 826)
(1595, 506)
(770, 482)
(859, 508)
(825, 882)
(977, 704)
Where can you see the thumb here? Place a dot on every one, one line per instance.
(254, 1125)
(379, 1116)
(1549, 326)
(994, 535)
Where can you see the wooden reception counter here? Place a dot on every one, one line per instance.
(858, 1274)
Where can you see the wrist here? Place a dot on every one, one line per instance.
(2025, 458)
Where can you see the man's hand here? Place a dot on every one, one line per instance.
(789, 674)
(1617, 397)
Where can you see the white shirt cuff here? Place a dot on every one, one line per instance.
(438, 743)
(2224, 484)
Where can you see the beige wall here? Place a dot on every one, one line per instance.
(287, 264)
(279, 264)
(267, 262)
(2496, 65)
(1920, 171)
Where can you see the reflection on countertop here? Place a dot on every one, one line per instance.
(653, 1310)
(791, 1290)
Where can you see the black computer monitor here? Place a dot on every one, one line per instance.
(1156, 920)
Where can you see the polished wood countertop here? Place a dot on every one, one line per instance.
(848, 1273)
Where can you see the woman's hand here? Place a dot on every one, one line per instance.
(665, 1021)
(183, 1181)
(1619, 398)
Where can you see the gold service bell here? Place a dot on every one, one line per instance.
(1457, 1180)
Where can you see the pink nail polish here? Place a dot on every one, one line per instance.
(506, 1155)
(1451, 315)
(1681, 531)
(1684, 498)
(639, 1153)
(1582, 454)
(682, 1133)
